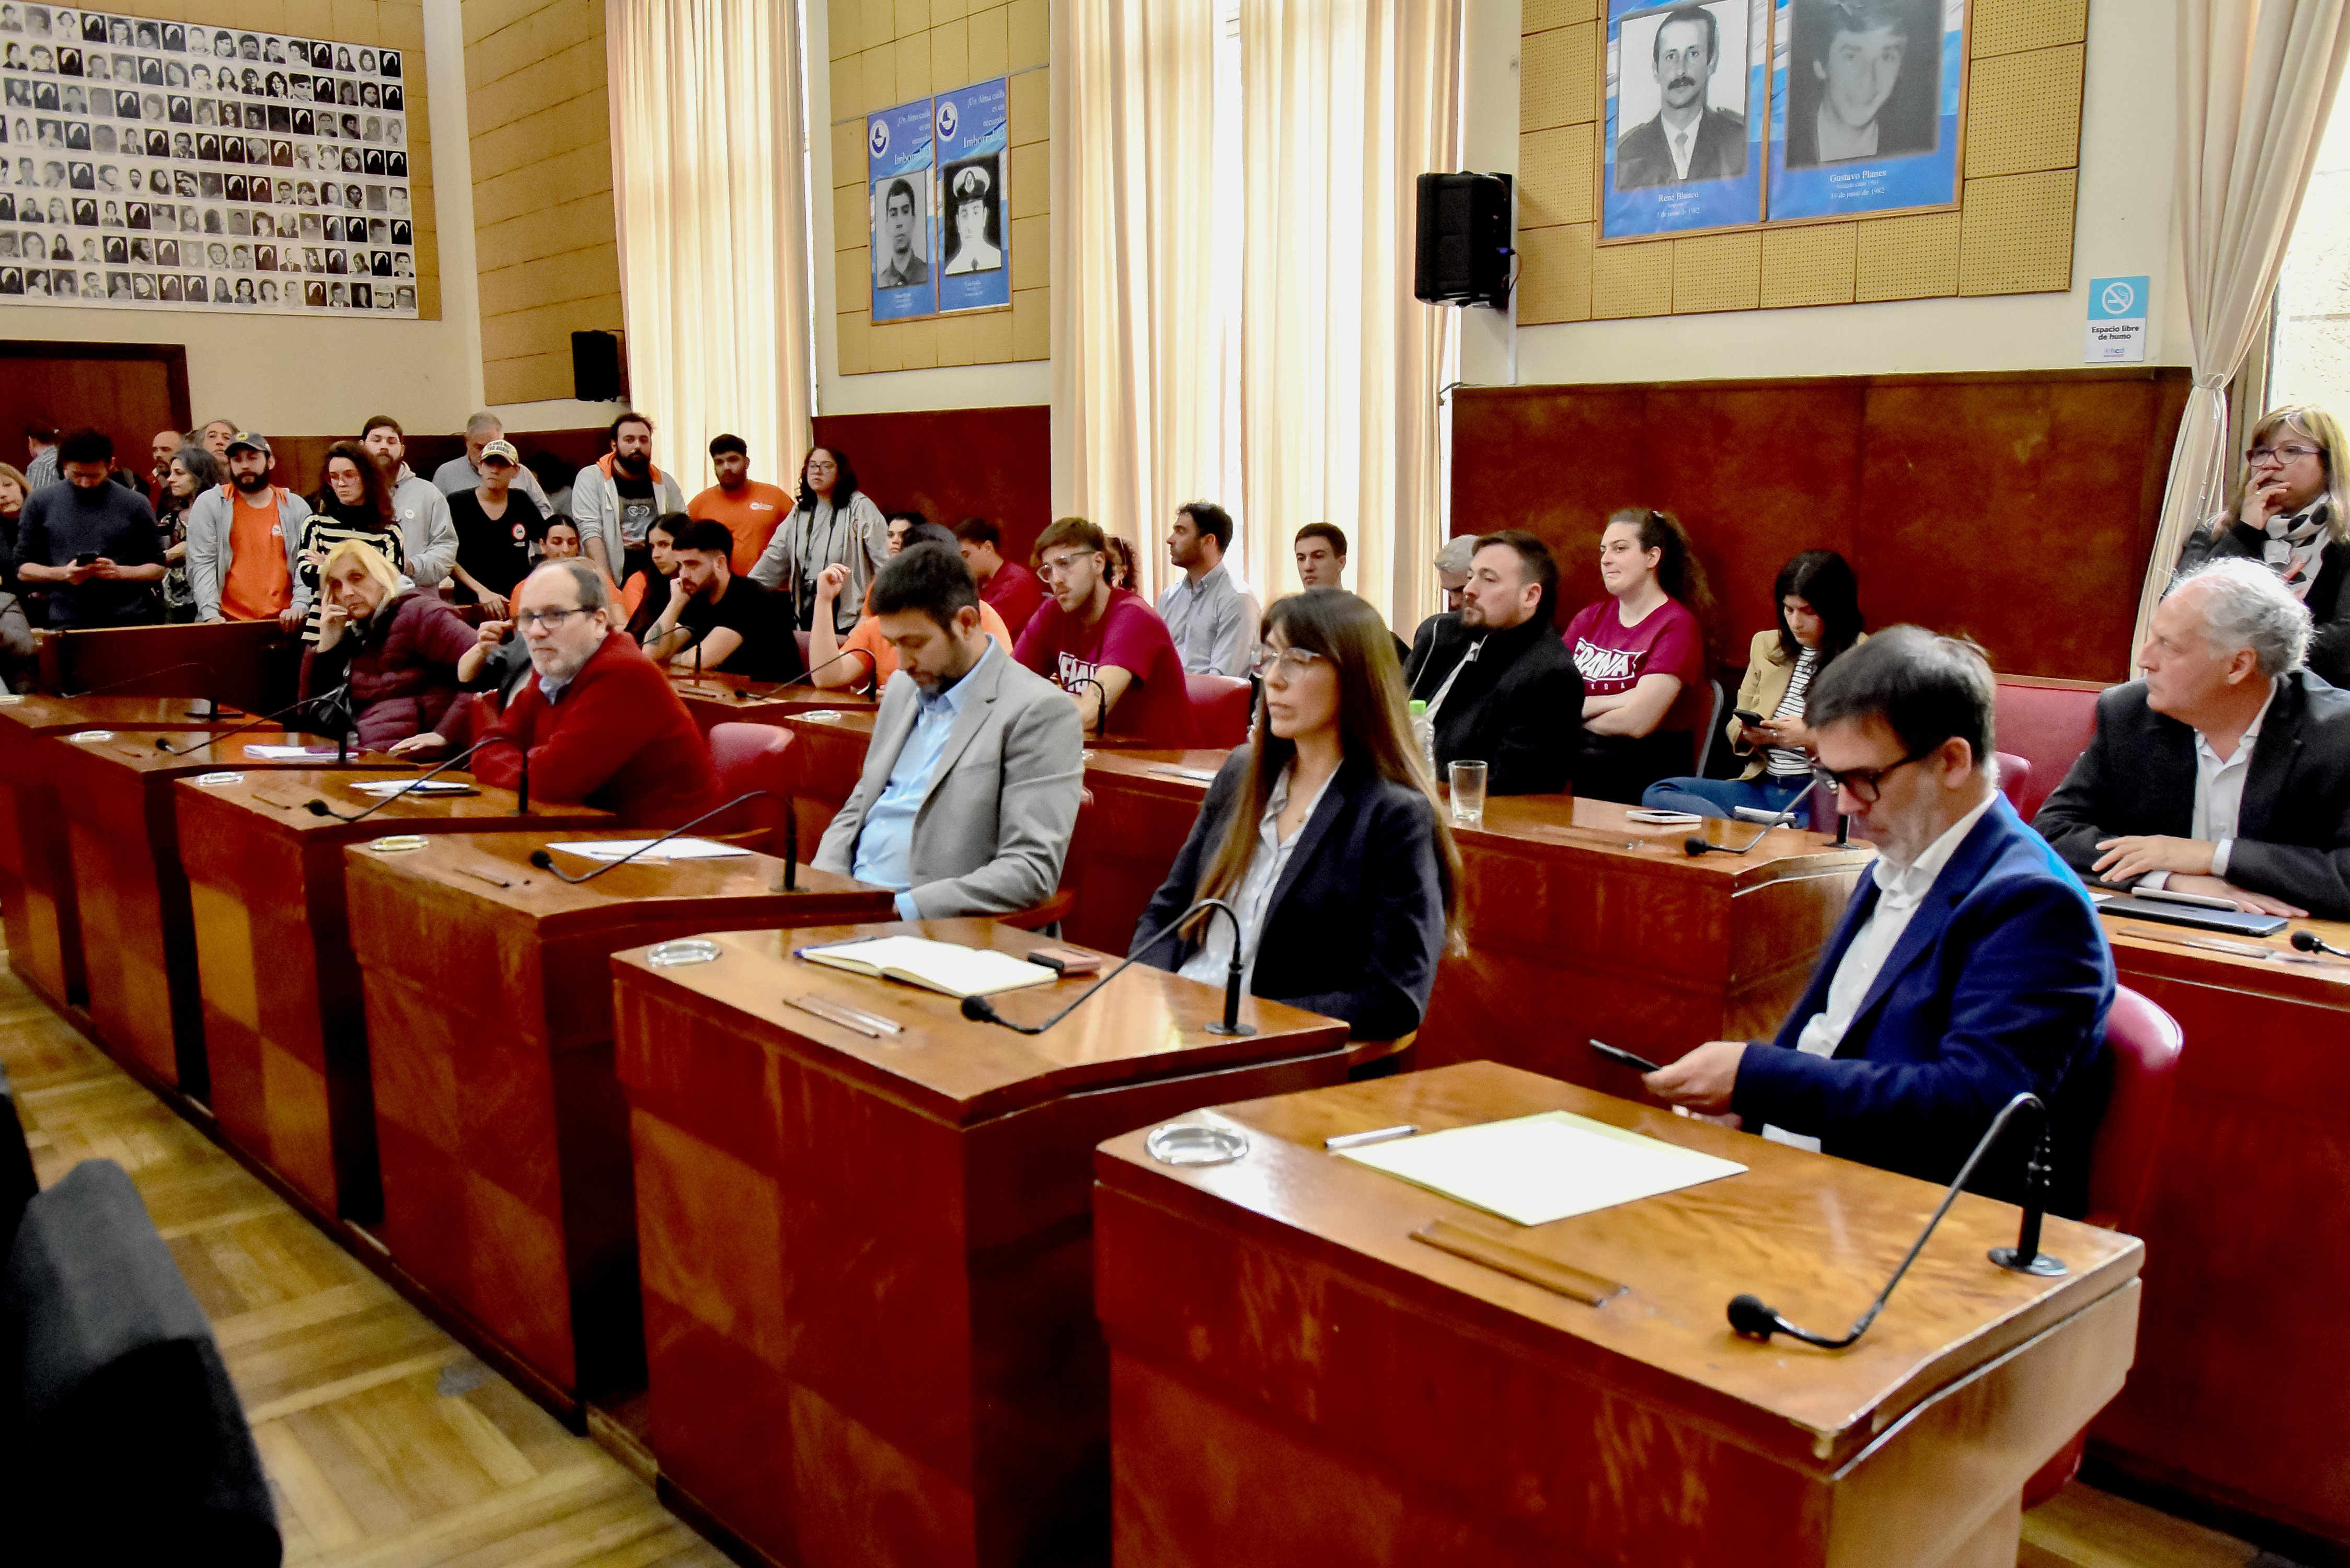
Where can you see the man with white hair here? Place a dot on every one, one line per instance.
(460, 474)
(2226, 770)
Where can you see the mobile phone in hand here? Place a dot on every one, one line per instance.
(1748, 716)
(86, 558)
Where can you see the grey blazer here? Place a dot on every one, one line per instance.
(992, 833)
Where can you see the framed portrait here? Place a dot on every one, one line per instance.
(899, 157)
(974, 206)
(1681, 144)
(1866, 101)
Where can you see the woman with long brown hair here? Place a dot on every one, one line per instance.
(1322, 836)
(352, 502)
(1641, 652)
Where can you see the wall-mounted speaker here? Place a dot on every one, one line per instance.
(597, 373)
(1464, 250)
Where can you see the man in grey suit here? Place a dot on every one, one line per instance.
(971, 783)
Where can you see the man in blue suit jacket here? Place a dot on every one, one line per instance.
(1969, 967)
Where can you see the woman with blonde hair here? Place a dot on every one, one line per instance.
(396, 646)
(2294, 514)
(1322, 836)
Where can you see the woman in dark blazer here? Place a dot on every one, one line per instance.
(1322, 837)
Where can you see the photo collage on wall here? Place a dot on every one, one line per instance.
(1726, 114)
(936, 172)
(162, 166)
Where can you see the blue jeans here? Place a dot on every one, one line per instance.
(1716, 797)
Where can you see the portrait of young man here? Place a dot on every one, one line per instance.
(1864, 80)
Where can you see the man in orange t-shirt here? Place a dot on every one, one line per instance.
(749, 509)
(259, 583)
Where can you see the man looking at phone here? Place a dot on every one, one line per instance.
(95, 541)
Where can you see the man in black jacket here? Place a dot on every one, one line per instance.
(1501, 687)
(2226, 771)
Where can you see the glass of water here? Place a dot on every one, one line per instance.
(1468, 794)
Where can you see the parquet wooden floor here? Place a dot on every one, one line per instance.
(387, 1445)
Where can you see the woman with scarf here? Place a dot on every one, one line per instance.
(396, 645)
(353, 504)
(835, 524)
(2294, 515)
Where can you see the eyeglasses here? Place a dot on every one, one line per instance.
(2281, 454)
(1054, 567)
(551, 619)
(1866, 784)
(1292, 661)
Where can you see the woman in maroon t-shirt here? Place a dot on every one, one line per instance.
(1641, 652)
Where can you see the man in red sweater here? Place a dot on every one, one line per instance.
(602, 725)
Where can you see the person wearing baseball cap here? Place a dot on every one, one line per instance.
(244, 538)
(494, 526)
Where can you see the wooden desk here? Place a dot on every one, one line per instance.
(502, 1136)
(827, 758)
(717, 698)
(37, 890)
(284, 1030)
(868, 1262)
(2241, 1394)
(1142, 814)
(1294, 1379)
(253, 664)
(138, 930)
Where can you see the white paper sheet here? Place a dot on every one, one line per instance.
(382, 787)
(289, 753)
(1534, 1169)
(675, 849)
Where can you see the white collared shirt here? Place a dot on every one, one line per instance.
(1253, 898)
(1445, 689)
(1899, 890)
(2219, 793)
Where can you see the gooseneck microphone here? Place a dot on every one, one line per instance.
(1755, 1320)
(212, 704)
(522, 794)
(1696, 845)
(163, 745)
(544, 859)
(1101, 714)
(980, 1010)
(872, 677)
(2311, 942)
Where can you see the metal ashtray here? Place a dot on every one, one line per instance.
(684, 950)
(1192, 1143)
(396, 844)
(219, 781)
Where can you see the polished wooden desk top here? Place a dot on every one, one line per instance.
(40, 715)
(1815, 1237)
(762, 697)
(282, 797)
(2187, 954)
(142, 753)
(1147, 1024)
(495, 869)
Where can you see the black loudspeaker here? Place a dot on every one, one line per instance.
(596, 374)
(1464, 243)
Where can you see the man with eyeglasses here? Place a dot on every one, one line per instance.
(1104, 646)
(601, 723)
(2294, 517)
(1969, 968)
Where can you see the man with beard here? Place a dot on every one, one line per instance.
(1687, 140)
(95, 541)
(417, 504)
(616, 498)
(1503, 690)
(242, 540)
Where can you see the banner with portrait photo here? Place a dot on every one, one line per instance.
(153, 164)
(1681, 145)
(1866, 100)
(974, 206)
(898, 150)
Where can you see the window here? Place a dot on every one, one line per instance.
(2310, 353)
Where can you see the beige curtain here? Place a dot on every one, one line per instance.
(2255, 80)
(710, 195)
(1135, 398)
(1347, 103)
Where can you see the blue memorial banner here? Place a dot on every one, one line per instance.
(1864, 106)
(1683, 130)
(898, 164)
(974, 163)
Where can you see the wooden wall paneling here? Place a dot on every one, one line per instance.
(129, 390)
(955, 463)
(302, 459)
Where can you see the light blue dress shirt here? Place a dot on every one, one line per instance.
(885, 845)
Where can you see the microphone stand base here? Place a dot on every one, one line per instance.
(1234, 1031)
(2039, 1264)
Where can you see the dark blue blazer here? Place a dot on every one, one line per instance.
(2000, 984)
(1357, 922)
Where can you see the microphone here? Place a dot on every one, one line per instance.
(2311, 942)
(544, 859)
(1752, 1318)
(522, 795)
(211, 705)
(1694, 845)
(872, 676)
(165, 746)
(980, 1010)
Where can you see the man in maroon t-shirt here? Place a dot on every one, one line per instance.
(1007, 586)
(1104, 646)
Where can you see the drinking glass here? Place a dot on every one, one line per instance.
(1468, 794)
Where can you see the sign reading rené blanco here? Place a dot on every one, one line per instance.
(2117, 321)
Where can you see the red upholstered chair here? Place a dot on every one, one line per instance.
(1222, 707)
(747, 757)
(2144, 1043)
(2049, 722)
(804, 639)
(2015, 781)
(1056, 909)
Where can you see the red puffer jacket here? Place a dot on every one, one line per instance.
(402, 666)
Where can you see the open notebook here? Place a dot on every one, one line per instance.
(948, 967)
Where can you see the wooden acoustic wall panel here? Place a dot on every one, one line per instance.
(546, 248)
(953, 463)
(2012, 233)
(889, 52)
(1937, 488)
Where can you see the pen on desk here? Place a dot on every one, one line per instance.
(486, 877)
(1376, 1135)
